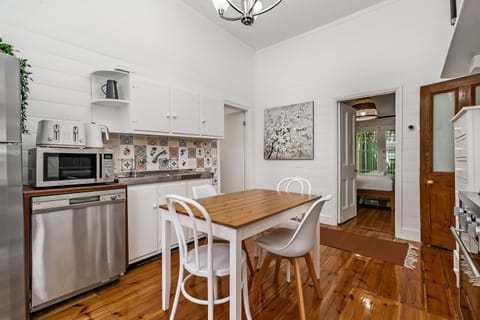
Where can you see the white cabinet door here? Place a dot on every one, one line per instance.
(142, 221)
(178, 188)
(151, 106)
(212, 117)
(185, 112)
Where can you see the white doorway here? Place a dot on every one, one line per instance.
(377, 161)
(232, 148)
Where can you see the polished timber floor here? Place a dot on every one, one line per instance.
(353, 287)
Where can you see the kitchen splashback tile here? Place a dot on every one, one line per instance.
(164, 164)
(183, 153)
(140, 163)
(153, 141)
(200, 163)
(126, 139)
(137, 139)
(182, 142)
(173, 164)
(183, 163)
(173, 151)
(173, 142)
(126, 164)
(214, 143)
(126, 152)
(140, 151)
(192, 153)
(163, 141)
(200, 153)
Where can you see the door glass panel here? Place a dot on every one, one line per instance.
(443, 111)
(477, 95)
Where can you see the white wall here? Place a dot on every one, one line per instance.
(397, 44)
(166, 40)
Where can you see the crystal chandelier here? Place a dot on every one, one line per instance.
(247, 9)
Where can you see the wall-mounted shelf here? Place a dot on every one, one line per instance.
(465, 42)
(111, 102)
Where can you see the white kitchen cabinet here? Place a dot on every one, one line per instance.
(142, 221)
(185, 112)
(150, 106)
(212, 117)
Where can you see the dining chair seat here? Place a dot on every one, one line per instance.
(221, 260)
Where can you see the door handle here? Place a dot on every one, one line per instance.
(430, 182)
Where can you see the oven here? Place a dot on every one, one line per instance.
(52, 167)
(467, 237)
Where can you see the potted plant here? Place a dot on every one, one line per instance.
(24, 81)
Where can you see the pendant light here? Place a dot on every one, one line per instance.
(248, 10)
(365, 109)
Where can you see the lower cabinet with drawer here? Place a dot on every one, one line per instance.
(144, 238)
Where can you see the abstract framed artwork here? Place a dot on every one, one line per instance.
(288, 132)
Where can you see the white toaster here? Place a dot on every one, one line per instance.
(61, 133)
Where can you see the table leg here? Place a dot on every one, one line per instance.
(166, 262)
(235, 276)
(316, 252)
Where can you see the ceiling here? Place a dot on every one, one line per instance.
(385, 104)
(289, 19)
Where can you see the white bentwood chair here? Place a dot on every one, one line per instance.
(292, 244)
(208, 261)
(207, 190)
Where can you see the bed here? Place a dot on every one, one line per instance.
(376, 185)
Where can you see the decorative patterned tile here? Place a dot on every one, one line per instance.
(206, 144)
(192, 152)
(172, 141)
(163, 141)
(126, 152)
(183, 163)
(191, 143)
(208, 163)
(126, 164)
(200, 153)
(137, 139)
(152, 151)
(208, 152)
(173, 164)
(182, 142)
(214, 143)
(191, 163)
(153, 141)
(173, 152)
(200, 163)
(213, 152)
(126, 139)
(164, 164)
(163, 152)
(140, 163)
(140, 151)
(183, 153)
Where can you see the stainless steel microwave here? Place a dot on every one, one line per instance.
(53, 167)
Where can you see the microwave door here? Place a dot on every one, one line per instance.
(69, 166)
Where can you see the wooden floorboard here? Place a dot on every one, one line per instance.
(353, 287)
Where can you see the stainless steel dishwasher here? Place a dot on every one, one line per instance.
(78, 243)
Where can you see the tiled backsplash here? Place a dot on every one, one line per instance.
(159, 153)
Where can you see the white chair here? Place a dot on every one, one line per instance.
(207, 190)
(208, 261)
(291, 184)
(292, 244)
(203, 191)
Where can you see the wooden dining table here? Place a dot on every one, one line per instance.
(235, 217)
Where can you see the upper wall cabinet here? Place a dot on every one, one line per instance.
(463, 57)
(212, 117)
(145, 106)
(150, 106)
(185, 114)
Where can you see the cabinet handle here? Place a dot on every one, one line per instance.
(174, 116)
(155, 206)
(167, 116)
(203, 121)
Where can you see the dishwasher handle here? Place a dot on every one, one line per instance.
(84, 200)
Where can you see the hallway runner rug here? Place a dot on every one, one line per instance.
(403, 254)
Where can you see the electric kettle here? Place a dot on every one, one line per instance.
(94, 135)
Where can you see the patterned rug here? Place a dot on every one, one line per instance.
(403, 254)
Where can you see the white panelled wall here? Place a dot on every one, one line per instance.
(167, 41)
(396, 44)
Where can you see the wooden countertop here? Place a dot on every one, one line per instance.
(242, 208)
(35, 192)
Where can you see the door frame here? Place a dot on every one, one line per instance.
(248, 143)
(398, 91)
(465, 96)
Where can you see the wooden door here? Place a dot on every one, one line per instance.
(348, 188)
(438, 103)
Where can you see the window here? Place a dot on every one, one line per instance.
(367, 151)
(376, 150)
(390, 142)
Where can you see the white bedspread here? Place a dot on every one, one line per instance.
(374, 182)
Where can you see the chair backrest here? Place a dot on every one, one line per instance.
(302, 240)
(287, 184)
(203, 191)
(189, 205)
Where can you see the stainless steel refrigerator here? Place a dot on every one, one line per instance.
(12, 277)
